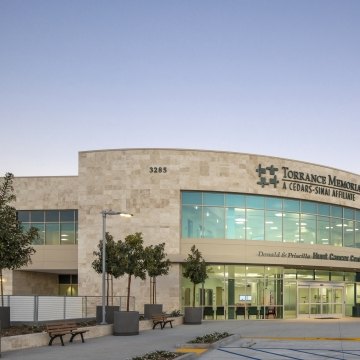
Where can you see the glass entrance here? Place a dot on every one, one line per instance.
(320, 300)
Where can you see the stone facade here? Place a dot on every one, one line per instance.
(148, 184)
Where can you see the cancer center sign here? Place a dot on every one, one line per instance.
(304, 255)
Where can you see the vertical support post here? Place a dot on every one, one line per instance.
(103, 322)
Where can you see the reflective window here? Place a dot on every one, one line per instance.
(235, 223)
(291, 205)
(336, 211)
(336, 231)
(273, 203)
(67, 215)
(308, 229)
(235, 200)
(255, 202)
(67, 235)
(357, 234)
(191, 197)
(323, 230)
(54, 226)
(324, 209)
(349, 214)
(255, 217)
(308, 207)
(192, 222)
(291, 226)
(52, 234)
(214, 224)
(349, 233)
(52, 216)
(322, 275)
(37, 216)
(24, 216)
(255, 224)
(213, 199)
(41, 232)
(273, 226)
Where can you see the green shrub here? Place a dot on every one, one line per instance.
(210, 338)
(158, 355)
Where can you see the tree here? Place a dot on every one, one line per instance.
(156, 265)
(110, 251)
(130, 255)
(15, 243)
(195, 269)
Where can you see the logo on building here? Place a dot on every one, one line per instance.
(267, 175)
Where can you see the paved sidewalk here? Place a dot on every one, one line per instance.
(345, 333)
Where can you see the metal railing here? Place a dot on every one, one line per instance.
(45, 308)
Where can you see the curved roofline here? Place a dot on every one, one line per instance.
(220, 151)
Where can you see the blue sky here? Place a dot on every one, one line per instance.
(271, 77)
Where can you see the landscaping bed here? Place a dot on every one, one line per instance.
(24, 329)
(158, 355)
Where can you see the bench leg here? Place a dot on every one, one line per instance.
(79, 333)
(53, 337)
(157, 323)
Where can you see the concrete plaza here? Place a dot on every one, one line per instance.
(257, 339)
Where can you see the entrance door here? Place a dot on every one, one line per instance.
(320, 300)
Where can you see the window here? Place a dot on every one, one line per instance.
(254, 217)
(55, 227)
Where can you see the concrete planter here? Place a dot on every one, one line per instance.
(193, 315)
(152, 309)
(126, 323)
(5, 317)
(109, 314)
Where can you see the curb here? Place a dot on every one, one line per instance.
(214, 345)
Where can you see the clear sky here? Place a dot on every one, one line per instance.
(270, 77)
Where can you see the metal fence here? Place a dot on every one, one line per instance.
(45, 308)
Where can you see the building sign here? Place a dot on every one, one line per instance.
(318, 184)
(311, 256)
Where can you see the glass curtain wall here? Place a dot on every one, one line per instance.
(56, 227)
(238, 291)
(215, 215)
(257, 292)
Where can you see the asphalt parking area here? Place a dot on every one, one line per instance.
(266, 349)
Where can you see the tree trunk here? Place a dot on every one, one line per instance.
(128, 293)
(193, 302)
(107, 289)
(153, 287)
(2, 288)
(112, 290)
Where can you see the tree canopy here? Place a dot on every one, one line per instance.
(156, 265)
(110, 252)
(130, 260)
(15, 243)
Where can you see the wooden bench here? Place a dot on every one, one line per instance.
(64, 328)
(161, 320)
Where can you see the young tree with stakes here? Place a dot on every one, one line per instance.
(130, 255)
(110, 262)
(156, 265)
(15, 244)
(195, 269)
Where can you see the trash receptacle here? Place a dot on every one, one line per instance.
(356, 310)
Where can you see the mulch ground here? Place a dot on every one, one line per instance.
(32, 329)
